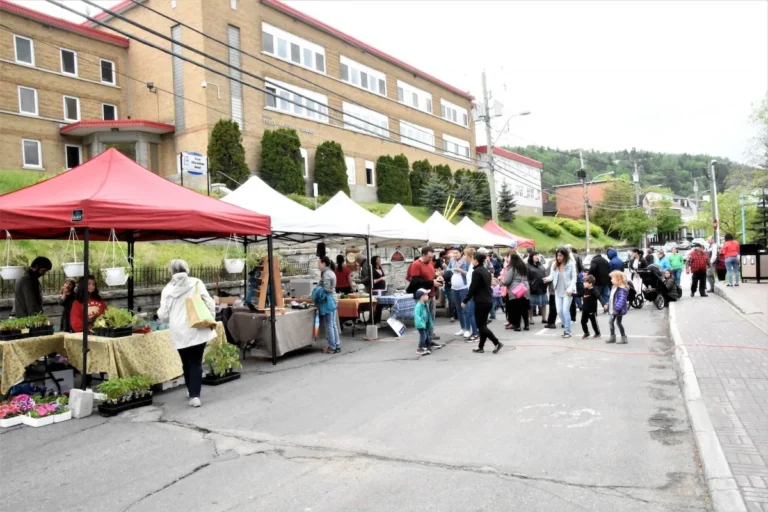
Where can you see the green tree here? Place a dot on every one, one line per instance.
(226, 155)
(434, 194)
(506, 203)
(281, 163)
(465, 192)
(444, 173)
(667, 219)
(729, 208)
(419, 177)
(633, 225)
(330, 169)
(617, 197)
(460, 174)
(394, 183)
(482, 193)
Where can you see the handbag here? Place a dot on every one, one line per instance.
(519, 291)
(198, 314)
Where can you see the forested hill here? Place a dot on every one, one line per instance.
(675, 171)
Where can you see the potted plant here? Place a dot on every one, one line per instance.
(114, 275)
(38, 325)
(222, 359)
(11, 329)
(114, 323)
(15, 261)
(237, 264)
(124, 394)
(40, 415)
(73, 268)
(62, 410)
(10, 415)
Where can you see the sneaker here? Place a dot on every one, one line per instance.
(729, 285)
(435, 337)
(194, 402)
(468, 340)
(453, 320)
(704, 295)
(585, 336)
(526, 328)
(550, 326)
(467, 334)
(478, 351)
(596, 336)
(498, 347)
(423, 351)
(337, 351)
(475, 338)
(737, 284)
(459, 333)
(693, 294)
(436, 346)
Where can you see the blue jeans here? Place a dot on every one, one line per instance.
(677, 273)
(603, 293)
(471, 322)
(563, 305)
(331, 331)
(423, 338)
(732, 267)
(457, 297)
(498, 302)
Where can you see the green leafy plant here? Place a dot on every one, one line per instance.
(15, 257)
(392, 175)
(281, 165)
(115, 318)
(544, 226)
(222, 357)
(506, 203)
(330, 169)
(226, 155)
(434, 194)
(12, 324)
(419, 176)
(39, 320)
(125, 389)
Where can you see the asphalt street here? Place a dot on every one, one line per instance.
(558, 424)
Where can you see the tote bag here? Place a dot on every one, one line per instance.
(198, 314)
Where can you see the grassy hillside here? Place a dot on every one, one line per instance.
(14, 180)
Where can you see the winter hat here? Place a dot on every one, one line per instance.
(420, 292)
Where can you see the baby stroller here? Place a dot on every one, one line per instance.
(653, 287)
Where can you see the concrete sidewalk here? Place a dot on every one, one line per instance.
(723, 357)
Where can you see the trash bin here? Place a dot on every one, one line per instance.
(754, 262)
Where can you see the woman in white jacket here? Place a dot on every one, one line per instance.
(190, 342)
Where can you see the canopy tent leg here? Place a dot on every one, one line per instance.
(370, 277)
(131, 251)
(271, 285)
(84, 286)
(245, 268)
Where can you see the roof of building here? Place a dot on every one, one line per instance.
(128, 4)
(82, 128)
(53, 21)
(512, 156)
(602, 182)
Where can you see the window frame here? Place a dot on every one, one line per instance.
(283, 92)
(80, 155)
(417, 143)
(353, 179)
(373, 76)
(371, 116)
(24, 163)
(459, 143)
(409, 92)
(305, 156)
(446, 107)
(373, 173)
(61, 61)
(37, 102)
(101, 72)
(31, 51)
(77, 107)
(103, 118)
(278, 34)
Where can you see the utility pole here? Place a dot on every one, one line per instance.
(489, 148)
(713, 192)
(583, 176)
(636, 179)
(742, 201)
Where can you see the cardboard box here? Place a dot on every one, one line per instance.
(225, 300)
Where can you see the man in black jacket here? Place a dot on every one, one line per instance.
(649, 259)
(28, 297)
(600, 270)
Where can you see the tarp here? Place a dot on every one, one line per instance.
(442, 232)
(477, 236)
(498, 230)
(341, 216)
(111, 191)
(399, 227)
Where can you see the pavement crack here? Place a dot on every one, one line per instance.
(179, 479)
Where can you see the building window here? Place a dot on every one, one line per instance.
(519, 190)
(235, 85)
(73, 156)
(538, 194)
(296, 101)
(178, 81)
(28, 101)
(108, 112)
(529, 193)
(292, 48)
(414, 97)
(363, 77)
(370, 174)
(417, 136)
(24, 49)
(71, 108)
(350, 161)
(68, 62)
(453, 113)
(233, 4)
(32, 154)
(305, 162)
(455, 147)
(366, 121)
(107, 72)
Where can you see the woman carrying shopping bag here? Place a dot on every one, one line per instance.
(184, 303)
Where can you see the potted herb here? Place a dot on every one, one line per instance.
(222, 359)
(38, 325)
(62, 410)
(124, 394)
(15, 261)
(11, 329)
(114, 323)
(10, 415)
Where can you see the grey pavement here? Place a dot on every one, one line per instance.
(729, 354)
(556, 425)
(750, 298)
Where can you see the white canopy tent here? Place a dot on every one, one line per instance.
(475, 235)
(400, 228)
(442, 232)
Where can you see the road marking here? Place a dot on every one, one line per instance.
(558, 416)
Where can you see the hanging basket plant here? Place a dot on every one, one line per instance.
(15, 261)
(234, 265)
(114, 275)
(73, 268)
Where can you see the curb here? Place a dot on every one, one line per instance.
(723, 490)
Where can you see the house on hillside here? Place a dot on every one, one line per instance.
(686, 207)
(521, 174)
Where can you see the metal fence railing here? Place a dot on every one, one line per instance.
(149, 277)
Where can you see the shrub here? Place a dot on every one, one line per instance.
(482, 193)
(330, 169)
(506, 204)
(444, 173)
(226, 155)
(544, 226)
(465, 192)
(418, 177)
(281, 163)
(394, 183)
(574, 227)
(434, 194)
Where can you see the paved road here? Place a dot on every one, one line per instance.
(546, 427)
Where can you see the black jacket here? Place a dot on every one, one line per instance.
(480, 287)
(28, 299)
(579, 263)
(66, 302)
(536, 275)
(649, 259)
(671, 287)
(600, 270)
(589, 301)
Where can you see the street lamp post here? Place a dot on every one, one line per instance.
(742, 201)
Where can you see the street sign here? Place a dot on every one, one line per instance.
(194, 163)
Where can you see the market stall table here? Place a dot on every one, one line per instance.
(353, 309)
(294, 329)
(18, 354)
(401, 306)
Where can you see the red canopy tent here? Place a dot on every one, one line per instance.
(498, 230)
(111, 191)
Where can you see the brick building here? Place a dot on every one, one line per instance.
(71, 91)
(570, 198)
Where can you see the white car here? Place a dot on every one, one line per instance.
(699, 241)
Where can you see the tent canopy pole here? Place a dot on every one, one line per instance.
(131, 254)
(370, 276)
(86, 298)
(271, 285)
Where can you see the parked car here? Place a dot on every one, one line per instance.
(702, 242)
(669, 246)
(683, 245)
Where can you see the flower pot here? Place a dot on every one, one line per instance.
(116, 276)
(11, 422)
(58, 418)
(38, 422)
(113, 332)
(215, 380)
(43, 330)
(234, 266)
(109, 409)
(11, 273)
(74, 269)
(11, 335)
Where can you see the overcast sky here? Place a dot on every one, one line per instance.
(655, 75)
